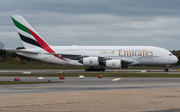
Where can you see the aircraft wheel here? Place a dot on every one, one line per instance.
(166, 70)
(86, 69)
(103, 69)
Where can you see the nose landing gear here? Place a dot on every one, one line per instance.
(166, 69)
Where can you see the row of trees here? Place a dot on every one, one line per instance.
(2, 52)
(8, 57)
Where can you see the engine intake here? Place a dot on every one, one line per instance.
(90, 61)
(113, 63)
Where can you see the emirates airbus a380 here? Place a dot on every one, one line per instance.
(93, 57)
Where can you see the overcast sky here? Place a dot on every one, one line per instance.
(95, 22)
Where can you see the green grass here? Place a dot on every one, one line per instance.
(114, 74)
(37, 67)
(25, 82)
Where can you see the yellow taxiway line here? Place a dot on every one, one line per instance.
(116, 79)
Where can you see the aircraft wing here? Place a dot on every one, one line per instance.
(74, 57)
(126, 62)
(69, 56)
(101, 58)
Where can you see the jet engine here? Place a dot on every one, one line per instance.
(113, 63)
(90, 61)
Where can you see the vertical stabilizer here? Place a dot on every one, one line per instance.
(30, 38)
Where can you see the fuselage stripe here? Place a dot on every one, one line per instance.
(43, 44)
(40, 42)
(20, 26)
(29, 40)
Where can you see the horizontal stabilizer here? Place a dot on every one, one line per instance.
(22, 51)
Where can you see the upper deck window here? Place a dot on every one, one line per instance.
(170, 54)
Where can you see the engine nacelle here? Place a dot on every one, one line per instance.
(90, 61)
(113, 63)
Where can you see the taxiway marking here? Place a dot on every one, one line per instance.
(116, 79)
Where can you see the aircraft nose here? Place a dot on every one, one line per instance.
(175, 59)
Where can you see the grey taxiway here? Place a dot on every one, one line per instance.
(74, 84)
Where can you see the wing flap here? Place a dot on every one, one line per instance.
(70, 56)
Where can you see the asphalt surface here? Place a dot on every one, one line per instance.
(79, 71)
(74, 84)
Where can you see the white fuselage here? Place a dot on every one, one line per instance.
(139, 55)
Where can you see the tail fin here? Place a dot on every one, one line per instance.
(30, 38)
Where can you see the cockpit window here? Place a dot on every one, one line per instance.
(170, 54)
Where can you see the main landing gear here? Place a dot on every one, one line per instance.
(166, 69)
(94, 69)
